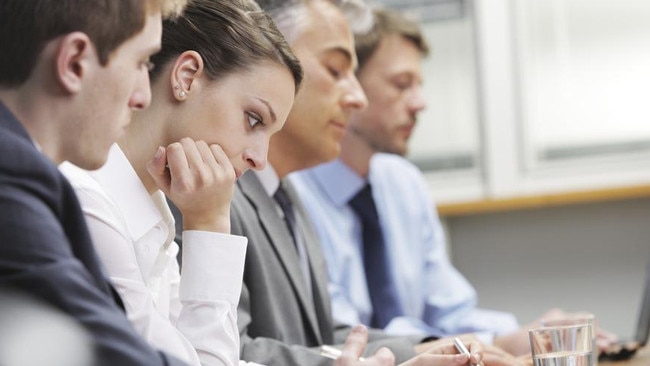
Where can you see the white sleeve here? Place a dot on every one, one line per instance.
(210, 287)
(202, 325)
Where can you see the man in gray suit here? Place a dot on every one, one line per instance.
(285, 312)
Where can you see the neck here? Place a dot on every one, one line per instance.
(145, 134)
(356, 153)
(286, 158)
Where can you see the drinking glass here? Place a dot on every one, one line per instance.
(562, 345)
(576, 319)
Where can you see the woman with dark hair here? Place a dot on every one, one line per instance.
(223, 83)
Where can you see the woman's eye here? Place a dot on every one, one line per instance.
(254, 120)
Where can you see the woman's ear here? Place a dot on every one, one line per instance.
(73, 58)
(187, 68)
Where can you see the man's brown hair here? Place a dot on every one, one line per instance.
(388, 22)
(26, 26)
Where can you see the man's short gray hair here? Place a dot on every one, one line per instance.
(289, 15)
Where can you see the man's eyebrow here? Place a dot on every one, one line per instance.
(345, 53)
(269, 108)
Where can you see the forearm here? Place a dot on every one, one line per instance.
(210, 286)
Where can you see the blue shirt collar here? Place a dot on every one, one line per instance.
(346, 185)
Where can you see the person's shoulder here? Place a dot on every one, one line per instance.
(397, 174)
(18, 151)
(22, 164)
(394, 166)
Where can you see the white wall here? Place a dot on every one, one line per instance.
(582, 257)
(482, 81)
(543, 96)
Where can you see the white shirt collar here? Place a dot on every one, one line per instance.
(120, 181)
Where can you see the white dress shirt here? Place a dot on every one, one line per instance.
(193, 316)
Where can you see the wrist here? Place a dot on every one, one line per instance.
(218, 224)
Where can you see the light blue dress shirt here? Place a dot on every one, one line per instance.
(436, 298)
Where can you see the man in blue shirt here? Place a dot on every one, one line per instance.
(431, 297)
(284, 313)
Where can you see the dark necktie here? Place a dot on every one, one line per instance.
(382, 290)
(282, 198)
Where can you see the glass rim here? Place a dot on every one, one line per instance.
(558, 327)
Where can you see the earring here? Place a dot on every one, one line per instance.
(182, 94)
(176, 87)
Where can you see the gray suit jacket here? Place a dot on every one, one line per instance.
(278, 321)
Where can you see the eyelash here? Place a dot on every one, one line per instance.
(334, 72)
(403, 86)
(256, 120)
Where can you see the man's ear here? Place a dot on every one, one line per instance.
(186, 70)
(74, 58)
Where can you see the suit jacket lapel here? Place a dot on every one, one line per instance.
(317, 266)
(281, 241)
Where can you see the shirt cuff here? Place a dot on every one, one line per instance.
(213, 266)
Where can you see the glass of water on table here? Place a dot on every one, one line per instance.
(562, 345)
(575, 319)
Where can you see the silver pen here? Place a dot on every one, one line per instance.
(332, 353)
(462, 349)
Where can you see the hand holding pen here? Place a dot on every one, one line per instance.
(445, 354)
(460, 347)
